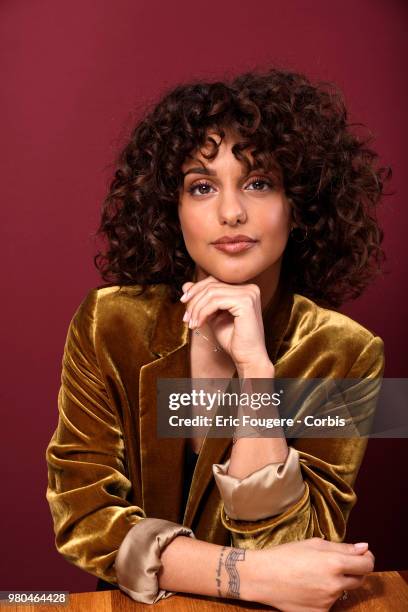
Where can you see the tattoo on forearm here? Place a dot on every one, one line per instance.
(235, 554)
(230, 563)
(218, 572)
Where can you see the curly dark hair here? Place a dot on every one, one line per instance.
(291, 124)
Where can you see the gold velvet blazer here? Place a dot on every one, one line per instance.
(108, 471)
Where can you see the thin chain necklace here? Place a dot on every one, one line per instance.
(216, 348)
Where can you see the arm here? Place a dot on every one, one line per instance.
(329, 468)
(88, 485)
(180, 564)
(262, 478)
(251, 454)
(195, 566)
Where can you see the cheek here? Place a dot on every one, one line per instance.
(275, 227)
(193, 227)
(276, 220)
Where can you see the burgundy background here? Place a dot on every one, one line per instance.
(73, 76)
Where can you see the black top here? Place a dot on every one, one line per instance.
(190, 460)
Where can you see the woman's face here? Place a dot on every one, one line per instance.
(219, 199)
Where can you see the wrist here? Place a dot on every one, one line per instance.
(263, 369)
(249, 575)
(262, 577)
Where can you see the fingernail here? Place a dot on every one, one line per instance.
(184, 296)
(361, 545)
(186, 316)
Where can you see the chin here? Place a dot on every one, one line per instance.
(233, 277)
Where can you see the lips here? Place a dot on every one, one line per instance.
(233, 239)
(234, 247)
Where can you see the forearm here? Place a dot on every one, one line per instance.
(194, 566)
(252, 453)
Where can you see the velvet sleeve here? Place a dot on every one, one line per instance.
(88, 484)
(329, 468)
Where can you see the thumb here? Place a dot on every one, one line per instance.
(345, 548)
(361, 547)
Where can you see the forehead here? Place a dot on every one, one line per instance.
(225, 143)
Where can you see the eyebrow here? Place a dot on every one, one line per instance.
(208, 172)
(200, 170)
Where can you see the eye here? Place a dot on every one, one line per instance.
(199, 185)
(259, 180)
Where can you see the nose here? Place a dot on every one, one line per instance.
(230, 209)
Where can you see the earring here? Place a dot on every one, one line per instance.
(305, 235)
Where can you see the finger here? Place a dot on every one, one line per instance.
(209, 293)
(341, 547)
(191, 290)
(205, 305)
(194, 287)
(234, 299)
(358, 564)
(353, 582)
(186, 286)
(196, 297)
(369, 554)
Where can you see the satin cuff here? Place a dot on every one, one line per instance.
(266, 492)
(138, 559)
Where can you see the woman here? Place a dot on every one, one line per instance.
(271, 157)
